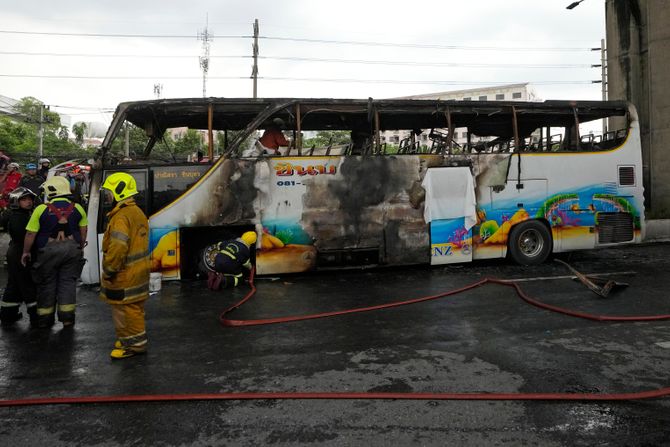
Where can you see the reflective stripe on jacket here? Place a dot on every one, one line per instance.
(125, 255)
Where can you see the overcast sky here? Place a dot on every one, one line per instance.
(394, 48)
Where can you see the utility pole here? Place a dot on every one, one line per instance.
(254, 70)
(603, 74)
(126, 142)
(40, 132)
(206, 38)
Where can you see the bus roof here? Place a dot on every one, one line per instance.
(484, 117)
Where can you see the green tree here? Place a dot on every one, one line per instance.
(19, 133)
(137, 141)
(29, 109)
(79, 129)
(16, 136)
(324, 138)
(189, 142)
(63, 133)
(222, 143)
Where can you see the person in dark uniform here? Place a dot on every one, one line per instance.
(58, 229)
(20, 287)
(45, 165)
(31, 179)
(227, 261)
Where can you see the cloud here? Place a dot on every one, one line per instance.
(492, 24)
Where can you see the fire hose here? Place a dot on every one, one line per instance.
(278, 395)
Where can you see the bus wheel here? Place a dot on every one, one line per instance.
(530, 242)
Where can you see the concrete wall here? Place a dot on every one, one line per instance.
(638, 59)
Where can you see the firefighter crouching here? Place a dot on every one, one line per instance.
(125, 265)
(226, 261)
(20, 287)
(58, 230)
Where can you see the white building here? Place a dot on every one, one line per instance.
(509, 92)
(7, 105)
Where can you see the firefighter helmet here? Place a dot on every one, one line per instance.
(121, 185)
(56, 186)
(249, 238)
(18, 194)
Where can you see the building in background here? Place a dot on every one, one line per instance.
(7, 105)
(509, 92)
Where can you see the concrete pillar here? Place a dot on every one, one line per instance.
(638, 58)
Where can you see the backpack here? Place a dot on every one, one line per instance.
(62, 231)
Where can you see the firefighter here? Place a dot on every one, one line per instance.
(20, 287)
(58, 231)
(227, 261)
(125, 265)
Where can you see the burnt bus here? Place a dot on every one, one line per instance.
(377, 182)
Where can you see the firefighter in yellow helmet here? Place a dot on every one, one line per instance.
(125, 265)
(57, 230)
(226, 261)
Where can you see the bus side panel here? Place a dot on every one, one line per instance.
(164, 249)
(583, 186)
(224, 196)
(325, 204)
(91, 272)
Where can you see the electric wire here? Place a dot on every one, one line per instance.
(301, 59)
(282, 78)
(306, 40)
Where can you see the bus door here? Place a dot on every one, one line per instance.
(141, 198)
(450, 211)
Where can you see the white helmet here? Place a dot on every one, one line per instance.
(44, 160)
(13, 166)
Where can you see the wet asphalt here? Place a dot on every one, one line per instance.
(484, 340)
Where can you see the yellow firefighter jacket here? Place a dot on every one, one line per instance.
(125, 255)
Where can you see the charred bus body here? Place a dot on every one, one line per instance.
(526, 182)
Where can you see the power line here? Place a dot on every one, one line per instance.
(304, 59)
(428, 82)
(270, 78)
(84, 108)
(143, 56)
(150, 36)
(423, 64)
(306, 40)
(428, 46)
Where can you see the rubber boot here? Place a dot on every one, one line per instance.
(9, 320)
(32, 313)
(45, 321)
(123, 353)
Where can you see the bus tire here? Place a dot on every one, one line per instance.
(530, 242)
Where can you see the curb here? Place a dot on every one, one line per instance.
(657, 230)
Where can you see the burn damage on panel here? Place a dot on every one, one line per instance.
(367, 206)
(231, 195)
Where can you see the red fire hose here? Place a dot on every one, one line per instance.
(588, 397)
(229, 322)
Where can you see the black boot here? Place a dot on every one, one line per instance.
(45, 321)
(32, 313)
(9, 319)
